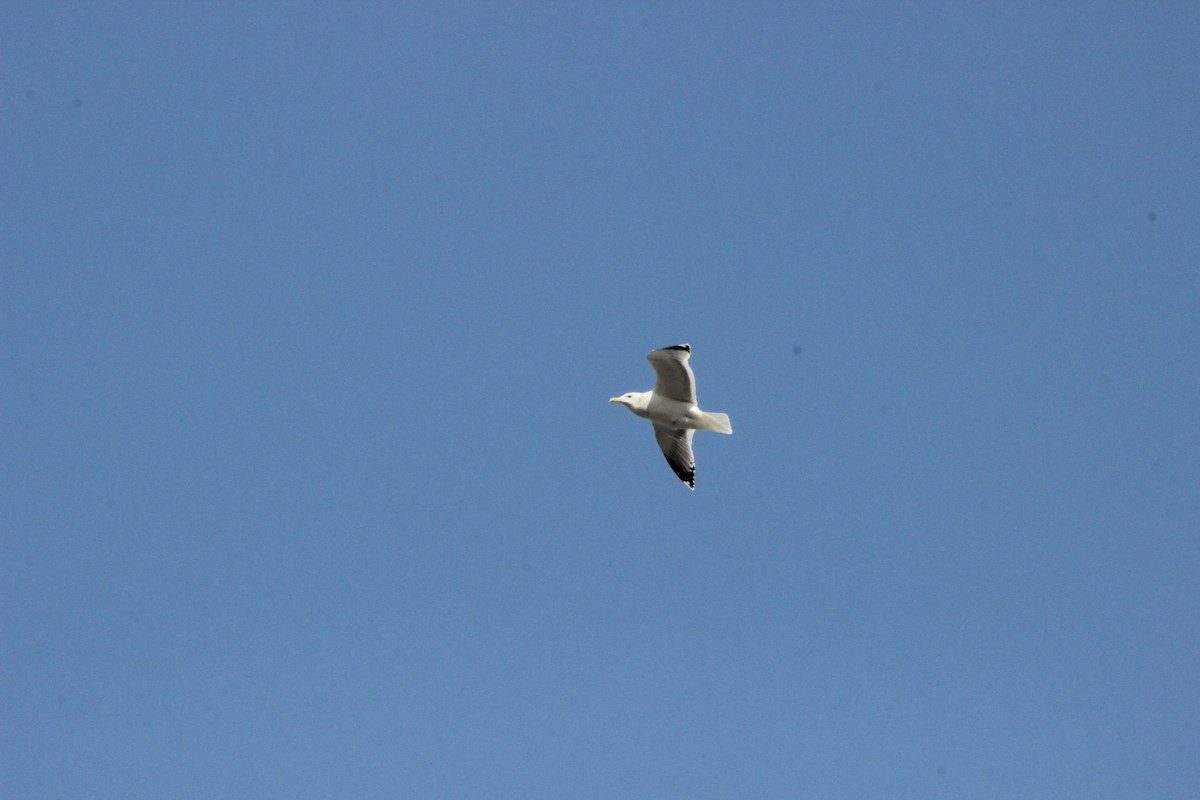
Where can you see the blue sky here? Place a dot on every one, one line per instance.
(311, 313)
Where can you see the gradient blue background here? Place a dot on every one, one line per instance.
(311, 313)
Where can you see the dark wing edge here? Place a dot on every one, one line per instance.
(673, 377)
(676, 445)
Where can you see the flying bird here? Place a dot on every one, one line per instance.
(671, 408)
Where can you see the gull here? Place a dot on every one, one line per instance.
(671, 408)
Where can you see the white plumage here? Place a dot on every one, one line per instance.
(671, 408)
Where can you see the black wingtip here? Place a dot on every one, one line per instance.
(685, 474)
(687, 348)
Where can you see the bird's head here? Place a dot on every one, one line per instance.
(634, 401)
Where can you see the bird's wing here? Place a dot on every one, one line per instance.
(675, 379)
(676, 445)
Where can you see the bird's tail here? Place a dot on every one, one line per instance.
(715, 421)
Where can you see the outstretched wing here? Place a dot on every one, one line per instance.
(675, 379)
(676, 445)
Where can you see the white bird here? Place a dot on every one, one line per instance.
(671, 407)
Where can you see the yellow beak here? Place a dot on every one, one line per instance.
(615, 400)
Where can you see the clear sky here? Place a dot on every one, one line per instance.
(310, 314)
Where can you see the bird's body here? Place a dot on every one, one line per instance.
(671, 407)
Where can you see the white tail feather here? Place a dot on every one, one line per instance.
(715, 421)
